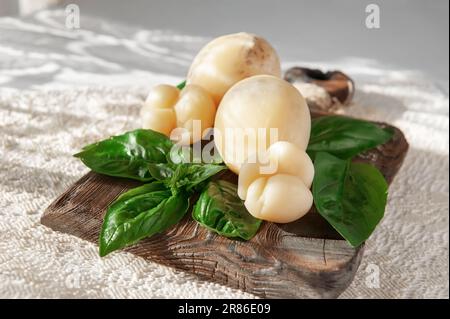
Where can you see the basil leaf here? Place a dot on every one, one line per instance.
(350, 196)
(155, 188)
(191, 177)
(345, 137)
(127, 155)
(220, 210)
(185, 177)
(161, 171)
(181, 85)
(181, 154)
(141, 212)
(197, 174)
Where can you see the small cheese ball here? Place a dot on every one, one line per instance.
(163, 96)
(279, 198)
(261, 102)
(293, 161)
(195, 104)
(157, 113)
(184, 116)
(276, 185)
(230, 58)
(160, 120)
(281, 158)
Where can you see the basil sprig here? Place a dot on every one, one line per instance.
(221, 210)
(152, 208)
(155, 207)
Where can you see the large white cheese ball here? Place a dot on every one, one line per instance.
(261, 102)
(229, 59)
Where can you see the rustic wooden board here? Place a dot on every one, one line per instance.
(304, 259)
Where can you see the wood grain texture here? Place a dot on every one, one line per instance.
(304, 259)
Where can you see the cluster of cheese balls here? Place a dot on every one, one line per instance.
(216, 68)
(235, 83)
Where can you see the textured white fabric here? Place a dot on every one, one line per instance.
(62, 89)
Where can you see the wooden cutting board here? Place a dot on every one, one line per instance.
(304, 259)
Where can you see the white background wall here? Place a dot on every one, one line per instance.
(414, 34)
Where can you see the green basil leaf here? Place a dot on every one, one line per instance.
(182, 154)
(127, 155)
(141, 212)
(157, 190)
(181, 85)
(350, 196)
(220, 210)
(192, 177)
(345, 137)
(161, 171)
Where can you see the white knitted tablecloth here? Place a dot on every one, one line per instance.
(61, 89)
